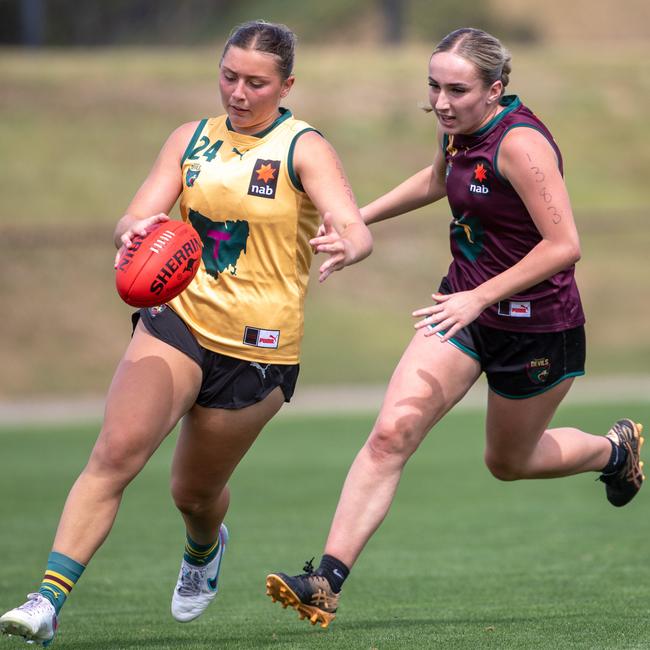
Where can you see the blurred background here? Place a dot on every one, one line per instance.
(90, 90)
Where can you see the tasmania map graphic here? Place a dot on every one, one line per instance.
(223, 242)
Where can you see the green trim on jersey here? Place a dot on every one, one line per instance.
(511, 102)
(192, 142)
(295, 181)
(520, 125)
(285, 114)
(445, 142)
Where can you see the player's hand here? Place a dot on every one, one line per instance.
(138, 228)
(319, 233)
(329, 241)
(450, 313)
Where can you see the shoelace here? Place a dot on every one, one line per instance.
(634, 473)
(191, 581)
(632, 468)
(36, 604)
(322, 595)
(308, 568)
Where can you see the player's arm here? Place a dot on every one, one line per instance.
(160, 190)
(343, 235)
(423, 188)
(529, 163)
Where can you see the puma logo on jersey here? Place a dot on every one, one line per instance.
(515, 308)
(261, 338)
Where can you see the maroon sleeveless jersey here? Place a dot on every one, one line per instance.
(491, 230)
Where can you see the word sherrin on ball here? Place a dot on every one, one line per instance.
(159, 265)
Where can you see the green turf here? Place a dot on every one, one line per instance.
(462, 561)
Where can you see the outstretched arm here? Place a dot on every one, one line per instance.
(343, 235)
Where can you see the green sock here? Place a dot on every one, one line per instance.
(60, 577)
(200, 554)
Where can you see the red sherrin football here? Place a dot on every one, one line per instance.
(159, 265)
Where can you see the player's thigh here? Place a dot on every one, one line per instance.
(153, 386)
(513, 427)
(212, 441)
(429, 379)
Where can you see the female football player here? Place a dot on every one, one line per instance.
(222, 357)
(508, 307)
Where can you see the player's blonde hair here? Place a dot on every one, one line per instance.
(486, 52)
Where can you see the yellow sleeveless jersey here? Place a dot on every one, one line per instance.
(241, 194)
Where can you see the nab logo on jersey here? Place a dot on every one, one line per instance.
(264, 178)
(479, 179)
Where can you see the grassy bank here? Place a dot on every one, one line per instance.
(81, 129)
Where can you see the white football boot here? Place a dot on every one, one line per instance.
(35, 620)
(198, 585)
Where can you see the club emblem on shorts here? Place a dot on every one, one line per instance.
(261, 338)
(479, 183)
(264, 178)
(538, 370)
(192, 174)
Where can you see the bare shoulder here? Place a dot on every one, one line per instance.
(525, 148)
(184, 132)
(176, 144)
(312, 143)
(521, 141)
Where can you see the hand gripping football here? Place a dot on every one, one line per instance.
(159, 265)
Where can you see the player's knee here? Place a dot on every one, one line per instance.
(192, 503)
(115, 456)
(392, 441)
(504, 469)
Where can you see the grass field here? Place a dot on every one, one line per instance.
(462, 561)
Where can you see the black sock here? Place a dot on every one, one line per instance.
(616, 459)
(334, 570)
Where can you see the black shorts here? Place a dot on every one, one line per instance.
(228, 383)
(522, 364)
